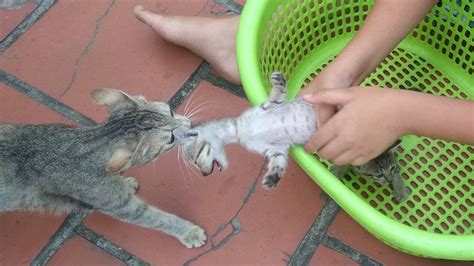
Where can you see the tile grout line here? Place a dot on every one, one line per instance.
(64, 232)
(315, 234)
(88, 47)
(217, 81)
(27, 22)
(230, 5)
(346, 250)
(45, 99)
(190, 84)
(107, 246)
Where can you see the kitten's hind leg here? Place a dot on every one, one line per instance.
(276, 167)
(278, 91)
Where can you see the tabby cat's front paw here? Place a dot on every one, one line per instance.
(194, 238)
(401, 195)
(272, 177)
(132, 184)
(340, 170)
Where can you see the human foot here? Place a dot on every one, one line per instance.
(211, 38)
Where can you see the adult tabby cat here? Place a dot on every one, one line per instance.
(56, 167)
(270, 130)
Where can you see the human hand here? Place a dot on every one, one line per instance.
(368, 122)
(332, 76)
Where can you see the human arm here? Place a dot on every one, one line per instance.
(371, 119)
(387, 24)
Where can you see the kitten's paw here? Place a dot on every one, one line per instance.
(340, 170)
(272, 177)
(401, 195)
(195, 237)
(132, 183)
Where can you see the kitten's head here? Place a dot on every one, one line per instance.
(144, 127)
(383, 168)
(201, 149)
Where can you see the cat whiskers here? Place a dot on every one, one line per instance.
(201, 107)
(181, 167)
(190, 167)
(190, 103)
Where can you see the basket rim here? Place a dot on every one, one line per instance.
(403, 237)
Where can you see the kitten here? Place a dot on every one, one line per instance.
(382, 169)
(270, 129)
(59, 167)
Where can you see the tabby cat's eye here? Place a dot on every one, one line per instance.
(380, 177)
(172, 139)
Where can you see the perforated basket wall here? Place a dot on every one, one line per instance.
(301, 37)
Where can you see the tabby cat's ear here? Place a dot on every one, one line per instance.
(393, 148)
(114, 99)
(120, 161)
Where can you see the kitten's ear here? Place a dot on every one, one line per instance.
(120, 161)
(114, 99)
(393, 148)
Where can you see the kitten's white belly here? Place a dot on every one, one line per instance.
(288, 123)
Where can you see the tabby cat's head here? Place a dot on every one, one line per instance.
(383, 168)
(202, 149)
(143, 127)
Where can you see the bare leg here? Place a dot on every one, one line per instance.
(211, 38)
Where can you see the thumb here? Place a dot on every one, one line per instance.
(329, 96)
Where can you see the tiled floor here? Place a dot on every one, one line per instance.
(79, 46)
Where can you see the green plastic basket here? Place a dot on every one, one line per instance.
(300, 37)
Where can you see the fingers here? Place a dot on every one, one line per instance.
(324, 135)
(329, 96)
(346, 157)
(359, 161)
(333, 150)
(324, 112)
(304, 91)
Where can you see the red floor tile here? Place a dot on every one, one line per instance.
(351, 233)
(16, 108)
(78, 251)
(126, 54)
(327, 256)
(44, 56)
(23, 234)
(273, 222)
(10, 18)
